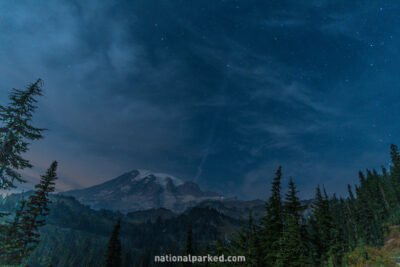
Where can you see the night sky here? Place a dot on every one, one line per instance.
(216, 92)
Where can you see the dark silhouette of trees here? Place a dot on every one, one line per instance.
(112, 257)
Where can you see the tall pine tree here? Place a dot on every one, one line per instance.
(10, 250)
(112, 257)
(292, 244)
(395, 170)
(272, 222)
(255, 252)
(321, 225)
(189, 242)
(188, 250)
(37, 208)
(16, 131)
(23, 231)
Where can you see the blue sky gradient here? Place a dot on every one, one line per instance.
(216, 92)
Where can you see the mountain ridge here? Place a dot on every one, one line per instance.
(142, 190)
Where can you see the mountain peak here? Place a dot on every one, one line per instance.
(143, 189)
(161, 178)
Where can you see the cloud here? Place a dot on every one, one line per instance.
(99, 89)
(212, 92)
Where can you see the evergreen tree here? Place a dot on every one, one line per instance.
(395, 170)
(239, 244)
(112, 257)
(189, 242)
(220, 247)
(90, 259)
(371, 229)
(188, 246)
(321, 224)
(16, 132)
(11, 241)
(388, 193)
(23, 232)
(255, 253)
(37, 207)
(350, 212)
(272, 222)
(146, 259)
(246, 243)
(207, 251)
(339, 235)
(292, 244)
(351, 195)
(378, 200)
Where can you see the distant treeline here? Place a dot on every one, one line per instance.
(338, 232)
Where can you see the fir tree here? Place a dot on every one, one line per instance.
(246, 242)
(220, 247)
(395, 170)
(351, 195)
(11, 245)
(90, 259)
(321, 224)
(112, 257)
(272, 222)
(189, 242)
(188, 250)
(16, 132)
(23, 232)
(37, 207)
(371, 230)
(341, 233)
(254, 255)
(350, 212)
(239, 244)
(292, 244)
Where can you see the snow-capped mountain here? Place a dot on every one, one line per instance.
(142, 190)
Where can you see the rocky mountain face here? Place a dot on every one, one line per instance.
(143, 190)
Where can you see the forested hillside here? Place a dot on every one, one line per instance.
(335, 231)
(76, 235)
(338, 232)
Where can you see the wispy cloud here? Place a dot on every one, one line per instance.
(211, 91)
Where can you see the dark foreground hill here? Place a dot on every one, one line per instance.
(76, 235)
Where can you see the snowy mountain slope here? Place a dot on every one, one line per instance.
(142, 190)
